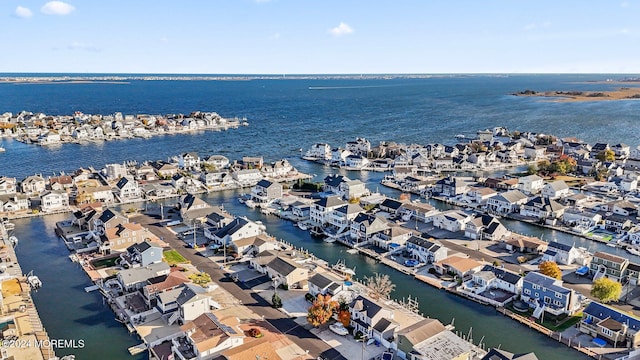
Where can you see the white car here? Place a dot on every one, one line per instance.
(339, 329)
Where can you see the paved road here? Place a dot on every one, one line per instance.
(296, 333)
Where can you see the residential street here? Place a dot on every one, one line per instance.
(296, 333)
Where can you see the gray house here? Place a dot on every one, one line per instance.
(142, 254)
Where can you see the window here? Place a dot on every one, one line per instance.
(559, 295)
(607, 332)
(527, 291)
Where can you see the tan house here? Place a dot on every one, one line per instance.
(124, 235)
(525, 244)
(288, 272)
(206, 336)
(457, 265)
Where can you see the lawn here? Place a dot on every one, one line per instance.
(173, 257)
(564, 324)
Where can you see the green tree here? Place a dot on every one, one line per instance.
(276, 302)
(606, 290)
(606, 155)
(532, 169)
(551, 269)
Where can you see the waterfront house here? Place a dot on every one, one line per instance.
(33, 185)
(193, 208)
(507, 202)
(392, 237)
(216, 220)
(371, 318)
(90, 194)
(7, 185)
(458, 266)
(544, 293)
(479, 195)
(318, 151)
(237, 229)
(207, 336)
(115, 171)
(617, 327)
(452, 220)
(536, 152)
(414, 334)
(52, 200)
(218, 161)
(580, 221)
(542, 208)
(157, 190)
(561, 253)
(616, 223)
(321, 209)
(425, 250)
(501, 184)
(391, 206)
(164, 170)
(287, 272)
(107, 219)
(531, 184)
(332, 183)
(62, 182)
(14, 203)
(356, 162)
(266, 191)
(418, 211)
(452, 186)
(624, 208)
(139, 254)
(151, 293)
(278, 169)
(136, 278)
(353, 189)
(400, 172)
(190, 160)
(325, 283)
(254, 244)
(342, 216)
(216, 178)
(49, 138)
(524, 244)
(556, 189)
(128, 189)
(612, 266)
(485, 227)
(193, 301)
(247, 177)
(252, 162)
(123, 236)
(300, 210)
(485, 283)
(364, 226)
(503, 279)
(633, 274)
(360, 146)
(444, 345)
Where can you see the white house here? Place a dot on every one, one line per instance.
(190, 160)
(561, 253)
(33, 185)
(247, 177)
(319, 151)
(506, 202)
(128, 189)
(531, 184)
(555, 190)
(53, 200)
(452, 220)
(323, 207)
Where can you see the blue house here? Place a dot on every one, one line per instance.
(614, 326)
(546, 294)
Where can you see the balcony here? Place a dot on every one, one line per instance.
(183, 348)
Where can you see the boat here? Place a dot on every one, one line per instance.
(339, 329)
(34, 281)
(611, 244)
(633, 251)
(2, 149)
(302, 226)
(329, 239)
(250, 204)
(13, 240)
(459, 136)
(352, 251)
(342, 268)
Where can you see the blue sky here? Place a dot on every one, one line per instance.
(321, 36)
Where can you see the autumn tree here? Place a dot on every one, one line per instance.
(344, 316)
(606, 290)
(606, 155)
(380, 286)
(321, 310)
(551, 269)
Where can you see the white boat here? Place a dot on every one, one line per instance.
(302, 225)
(2, 149)
(352, 251)
(250, 204)
(329, 239)
(633, 251)
(13, 240)
(611, 244)
(339, 329)
(342, 268)
(34, 281)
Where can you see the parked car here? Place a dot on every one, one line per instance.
(339, 329)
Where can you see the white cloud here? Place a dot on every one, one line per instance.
(342, 29)
(23, 12)
(534, 26)
(57, 8)
(82, 47)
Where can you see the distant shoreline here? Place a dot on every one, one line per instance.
(37, 82)
(623, 93)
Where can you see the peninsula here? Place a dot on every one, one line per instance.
(623, 93)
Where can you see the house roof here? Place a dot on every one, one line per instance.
(122, 182)
(384, 324)
(558, 185)
(559, 246)
(141, 274)
(545, 204)
(284, 266)
(330, 202)
(496, 354)
(444, 346)
(508, 276)
(459, 263)
(421, 242)
(546, 282)
(261, 348)
(391, 203)
(321, 281)
(610, 257)
(207, 331)
(524, 241)
(511, 196)
(106, 216)
(190, 292)
(361, 303)
(335, 180)
(350, 209)
(231, 228)
(602, 312)
(140, 248)
(174, 279)
(264, 183)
